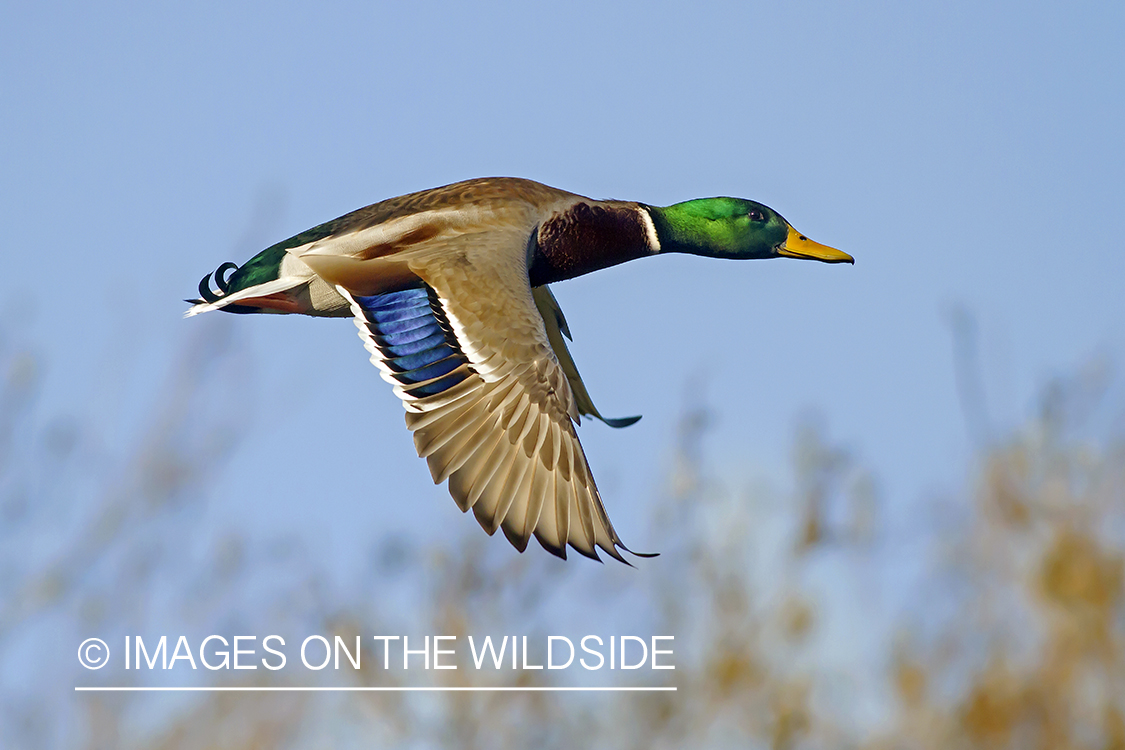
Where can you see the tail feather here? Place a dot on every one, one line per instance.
(276, 286)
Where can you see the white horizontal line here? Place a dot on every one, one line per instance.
(287, 689)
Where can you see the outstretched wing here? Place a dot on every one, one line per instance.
(486, 398)
(556, 328)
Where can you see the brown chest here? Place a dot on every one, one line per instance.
(585, 238)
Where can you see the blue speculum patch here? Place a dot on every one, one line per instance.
(413, 342)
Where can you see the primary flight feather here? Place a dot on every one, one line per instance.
(448, 288)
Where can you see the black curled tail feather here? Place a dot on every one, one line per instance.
(222, 281)
(205, 290)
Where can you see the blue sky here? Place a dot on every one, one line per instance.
(967, 154)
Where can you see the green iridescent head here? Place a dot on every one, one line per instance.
(734, 228)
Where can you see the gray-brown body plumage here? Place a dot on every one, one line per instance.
(503, 435)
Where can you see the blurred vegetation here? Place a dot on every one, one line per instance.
(787, 632)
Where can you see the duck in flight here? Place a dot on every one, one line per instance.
(449, 290)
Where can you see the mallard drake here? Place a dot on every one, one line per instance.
(449, 290)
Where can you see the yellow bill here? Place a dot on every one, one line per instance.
(798, 245)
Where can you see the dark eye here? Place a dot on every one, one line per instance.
(755, 215)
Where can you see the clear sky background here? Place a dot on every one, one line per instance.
(967, 154)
